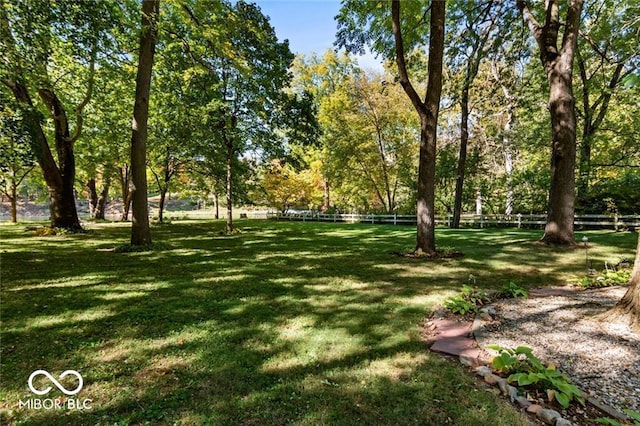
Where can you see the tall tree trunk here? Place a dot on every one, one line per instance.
(125, 189)
(163, 197)
(93, 197)
(140, 231)
(558, 66)
(216, 199)
(507, 145)
(229, 187)
(326, 197)
(102, 200)
(628, 308)
(13, 199)
(428, 112)
(510, 196)
(126, 207)
(560, 213)
(426, 238)
(63, 201)
(462, 156)
(508, 162)
(584, 169)
(593, 115)
(388, 203)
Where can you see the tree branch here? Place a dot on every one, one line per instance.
(400, 60)
(605, 97)
(87, 96)
(570, 36)
(531, 22)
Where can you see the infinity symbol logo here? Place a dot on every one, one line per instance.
(55, 382)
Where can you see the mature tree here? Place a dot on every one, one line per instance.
(16, 158)
(51, 49)
(172, 123)
(363, 23)
(248, 69)
(608, 54)
(428, 112)
(475, 32)
(140, 231)
(499, 73)
(557, 62)
(103, 152)
(323, 79)
(369, 138)
(284, 187)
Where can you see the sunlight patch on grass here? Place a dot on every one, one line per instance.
(123, 295)
(426, 300)
(139, 348)
(76, 281)
(286, 281)
(295, 328)
(49, 321)
(221, 278)
(310, 346)
(337, 284)
(397, 367)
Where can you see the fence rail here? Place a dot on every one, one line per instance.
(470, 220)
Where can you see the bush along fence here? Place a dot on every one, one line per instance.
(615, 222)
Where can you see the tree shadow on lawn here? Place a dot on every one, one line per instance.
(266, 327)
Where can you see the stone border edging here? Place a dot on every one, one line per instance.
(485, 314)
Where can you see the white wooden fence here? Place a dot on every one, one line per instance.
(469, 220)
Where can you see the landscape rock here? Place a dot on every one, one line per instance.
(467, 360)
(563, 422)
(491, 378)
(523, 402)
(490, 310)
(503, 385)
(512, 392)
(440, 313)
(483, 371)
(485, 317)
(548, 416)
(534, 408)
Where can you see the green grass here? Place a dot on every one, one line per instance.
(286, 323)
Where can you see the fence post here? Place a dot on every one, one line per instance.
(373, 219)
(395, 219)
(335, 217)
(615, 222)
(519, 220)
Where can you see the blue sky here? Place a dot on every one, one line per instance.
(308, 25)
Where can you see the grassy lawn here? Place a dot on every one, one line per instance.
(287, 323)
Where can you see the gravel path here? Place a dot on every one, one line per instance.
(602, 359)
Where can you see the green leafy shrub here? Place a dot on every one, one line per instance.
(635, 417)
(527, 370)
(467, 301)
(513, 291)
(607, 278)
